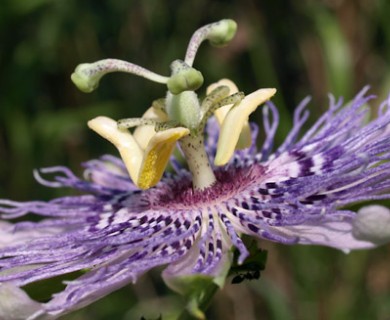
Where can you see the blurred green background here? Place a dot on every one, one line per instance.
(301, 47)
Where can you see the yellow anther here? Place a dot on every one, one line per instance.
(145, 167)
(235, 120)
(221, 113)
(157, 155)
(245, 136)
(123, 140)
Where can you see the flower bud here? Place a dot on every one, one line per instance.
(372, 224)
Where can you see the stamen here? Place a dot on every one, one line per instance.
(233, 99)
(143, 134)
(221, 113)
(161, 126)
(159, 104)
(145, 167)
(135, 122)
(214, 97)
(87, 75)
(157, 154)
(245, 138)
(127, 146)
(234, 121)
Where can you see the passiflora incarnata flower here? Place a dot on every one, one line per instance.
(134, 215)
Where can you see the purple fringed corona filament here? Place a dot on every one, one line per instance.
(297, 194)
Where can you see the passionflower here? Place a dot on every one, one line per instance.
(134, 215)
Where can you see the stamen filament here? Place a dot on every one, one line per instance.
(213, 97)
(135, 122)
(232, 99)
(159, 104)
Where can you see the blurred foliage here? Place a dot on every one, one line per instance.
(300, 47)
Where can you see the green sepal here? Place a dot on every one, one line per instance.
(198, 293)
(198, 289)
